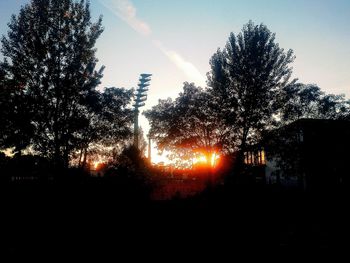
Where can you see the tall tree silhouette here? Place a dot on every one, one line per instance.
(189, 123)
(110, 117)
(49, 62)
(308, 101)
(16, 129)
(246, 78)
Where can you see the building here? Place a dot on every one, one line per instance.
(308, 153)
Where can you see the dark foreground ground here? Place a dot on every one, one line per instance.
(58, 222)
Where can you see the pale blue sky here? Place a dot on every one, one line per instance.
(174, 40)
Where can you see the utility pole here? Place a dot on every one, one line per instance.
(141, 97)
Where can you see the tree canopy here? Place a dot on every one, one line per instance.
(108, 128)
(250, 91)
(49, 80)
(308, 101)
(50, 103)
(191, 122)
(248, 76)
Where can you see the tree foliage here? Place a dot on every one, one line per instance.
(308, 101)
(190, 122)
(247, 77)
(108, 130)
(16, 129)
(49, 80)
(250, 91)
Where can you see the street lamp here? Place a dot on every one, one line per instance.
(141, 97)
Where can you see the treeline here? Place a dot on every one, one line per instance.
(250, 92)
(49, 102)
(56, 124)
(51, 107)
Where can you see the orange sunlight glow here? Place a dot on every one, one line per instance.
(203, 159)
(214, 159)
(200, 159)
(96, 165)
(158, 158)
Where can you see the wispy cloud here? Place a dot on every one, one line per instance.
(126, 11)
(187, 67)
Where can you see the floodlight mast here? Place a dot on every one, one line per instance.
(140, 98)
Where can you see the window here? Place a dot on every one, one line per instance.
(262, 157)
(255, 158)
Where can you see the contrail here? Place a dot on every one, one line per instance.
(126, 11)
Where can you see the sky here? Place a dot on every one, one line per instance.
(174, 40)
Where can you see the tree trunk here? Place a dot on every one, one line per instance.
(66, 157)
(80, 156)
(239, 163)
(57, 159)
(84, 159)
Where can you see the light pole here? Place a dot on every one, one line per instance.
(141, 97)
(149, 148)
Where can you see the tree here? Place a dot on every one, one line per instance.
(190, 123)
(16, 130)
(247, 78)
(110, 118)
(49, 63)
(308, 101)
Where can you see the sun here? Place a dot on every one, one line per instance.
(97, 165)
(204, 159)
(200, 159)
(214, 159)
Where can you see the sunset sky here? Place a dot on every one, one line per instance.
(174, 40)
